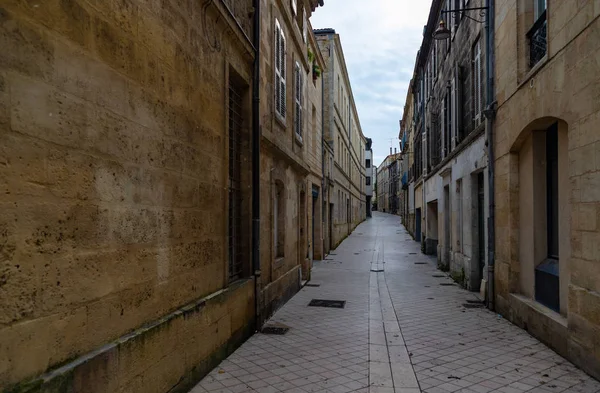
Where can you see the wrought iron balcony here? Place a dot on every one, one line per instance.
(538, 40)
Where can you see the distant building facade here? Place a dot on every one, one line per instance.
(369, 177)
(343, 133)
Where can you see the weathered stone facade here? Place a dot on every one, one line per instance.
(548, 199)
(291, 161)
(388, 184)
(125, 170)
(448, 120)
(343, 134)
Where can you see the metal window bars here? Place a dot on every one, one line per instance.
(538, 40)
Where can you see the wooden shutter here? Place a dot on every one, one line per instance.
(299, 87)
(282, 81)
(459, 104)
(304, 25)
(277, 68)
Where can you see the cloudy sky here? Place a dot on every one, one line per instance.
(380, 39)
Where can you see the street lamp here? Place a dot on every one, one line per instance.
(443, 33)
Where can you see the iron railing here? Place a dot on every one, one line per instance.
(538, 40)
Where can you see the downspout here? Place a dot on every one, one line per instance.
(490, 113)
(256, 165)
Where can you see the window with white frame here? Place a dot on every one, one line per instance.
(476, 76)
(280, 86)
(298, 100)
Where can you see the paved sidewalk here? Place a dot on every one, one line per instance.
(400, 331)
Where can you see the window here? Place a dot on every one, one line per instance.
(539, 8)
(279, 220)
(235, 225)
(294, 7)
(304, 25)
(552, 191)
(368, 180)
(298, 98)
(538, 34)
(280, 87)
(368, 163)
(476, 81)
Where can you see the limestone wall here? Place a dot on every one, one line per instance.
(563, 88)
(113, 152)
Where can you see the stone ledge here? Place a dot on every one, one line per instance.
(69, 377)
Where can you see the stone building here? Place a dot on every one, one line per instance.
(407, 135)
(126, 143)
(291, 159)
(547, 173)
(343, 134)
(388, 184)
(450, 140)
(369, 179)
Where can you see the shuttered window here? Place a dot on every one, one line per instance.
(477, 89)
(298, 98)
(304, 25)
(280, 88)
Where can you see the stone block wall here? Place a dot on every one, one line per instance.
(563, 88)
(113, 174)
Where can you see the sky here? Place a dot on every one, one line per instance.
(380, 40)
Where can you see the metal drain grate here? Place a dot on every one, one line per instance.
(438, 276)
(473, 305)
(312, 285)
(420, 263)
(412, 253)
(275, 330)
(327, 303)
(447, 284)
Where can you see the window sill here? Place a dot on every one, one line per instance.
(540, 308)
(281, 120)
(298, 139)
(534, 70)
(279, 261)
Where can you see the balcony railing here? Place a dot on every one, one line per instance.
(538, 40)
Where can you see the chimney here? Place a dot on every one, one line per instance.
(395, 150)
(390, 150)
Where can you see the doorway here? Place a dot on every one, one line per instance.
(418, 225)
(330, 226)
(447, 230)
(481, 224)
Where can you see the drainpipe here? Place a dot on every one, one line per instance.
(490, 114)
(256, 164)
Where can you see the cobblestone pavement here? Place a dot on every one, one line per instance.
(400, 331)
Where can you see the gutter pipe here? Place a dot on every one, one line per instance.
(490, 113)
(256, 165)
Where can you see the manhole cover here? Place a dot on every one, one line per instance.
(447, 284)
(327, 303)
(312, 285)
(274, 330)
(420, 263)
(473, 305)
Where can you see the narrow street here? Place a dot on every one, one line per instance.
(406, 329)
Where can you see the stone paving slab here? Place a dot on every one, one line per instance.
(400, 332)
